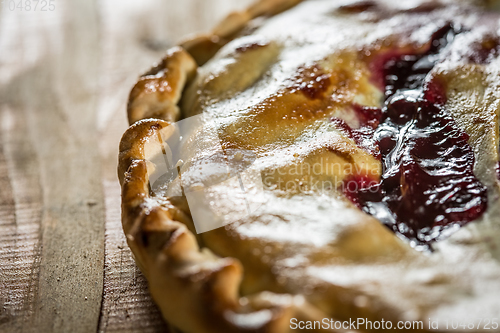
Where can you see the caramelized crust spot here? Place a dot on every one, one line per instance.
(312, 95)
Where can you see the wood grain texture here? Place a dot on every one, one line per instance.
(64, 80)
(20, 218)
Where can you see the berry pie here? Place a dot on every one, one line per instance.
(322, 166)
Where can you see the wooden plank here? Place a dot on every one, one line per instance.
(7, 239)
(56, 97)
(71, 275)
(20, 216)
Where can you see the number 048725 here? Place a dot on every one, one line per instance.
(482, 324)
(29, 5)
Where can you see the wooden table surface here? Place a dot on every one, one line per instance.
(65, 75)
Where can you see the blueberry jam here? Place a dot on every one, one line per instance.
(427, 185)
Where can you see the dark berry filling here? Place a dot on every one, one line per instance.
(427, 186)
(369, 118)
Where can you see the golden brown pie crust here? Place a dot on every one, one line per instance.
(199, 291)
